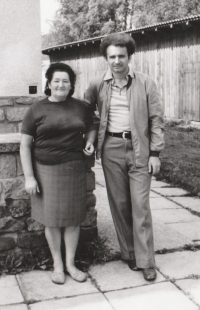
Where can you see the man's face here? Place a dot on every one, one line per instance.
(118, 59)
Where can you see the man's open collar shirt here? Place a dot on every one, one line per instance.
(146, 113)
(118, 116)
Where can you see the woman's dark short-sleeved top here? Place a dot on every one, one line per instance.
(57, 129)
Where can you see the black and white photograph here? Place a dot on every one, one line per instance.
(100, 155)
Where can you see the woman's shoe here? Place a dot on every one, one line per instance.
(58, 277)
(78, 275)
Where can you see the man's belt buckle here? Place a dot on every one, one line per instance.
(123, 134)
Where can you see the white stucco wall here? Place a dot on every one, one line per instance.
(20, 47)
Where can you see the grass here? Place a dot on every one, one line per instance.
(180, 158)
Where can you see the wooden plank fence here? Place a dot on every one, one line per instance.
(172, 58)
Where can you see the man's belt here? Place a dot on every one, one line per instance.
(123, 135)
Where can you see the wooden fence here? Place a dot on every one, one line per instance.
(170, 56)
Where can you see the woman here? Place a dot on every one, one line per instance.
(55, 133)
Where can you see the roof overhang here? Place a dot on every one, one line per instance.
(179, 24)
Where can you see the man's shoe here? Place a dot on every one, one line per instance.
(132, 265)
(149, 274)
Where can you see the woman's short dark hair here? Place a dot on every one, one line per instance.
(118, 39)
(59, 67)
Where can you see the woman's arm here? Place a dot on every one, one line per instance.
(31, 185)
(90, 137)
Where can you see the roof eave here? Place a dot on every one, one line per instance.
(141, 30)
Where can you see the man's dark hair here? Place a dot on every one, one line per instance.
(59, 67)
(118, 39)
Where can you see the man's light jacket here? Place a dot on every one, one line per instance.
(146, 113)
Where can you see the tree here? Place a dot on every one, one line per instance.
(191, 7)
(59, 34)
(81, 19)
(147, 12)
(124, 14)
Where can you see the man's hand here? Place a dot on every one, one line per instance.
(154, 165)
(31, 186)
(89, 149)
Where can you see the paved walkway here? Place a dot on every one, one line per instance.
(113, 286)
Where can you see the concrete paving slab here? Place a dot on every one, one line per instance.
(117, 275)
(190, 231)
(171, 191)
(106, 229)
(14, 307)
(87, 302)
(37, 285)
(165, 237)
(98, 170)
(97, 166)
(154, 195)
(191, 288)
(155, 184)
(175, 216)
(97, 162)
(100, 180)
(163, 203)
(99, 175)
(179, 265)
(158, 296)
(9, 291)
(192, 203)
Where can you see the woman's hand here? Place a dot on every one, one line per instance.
(31, 186)
(89, 149)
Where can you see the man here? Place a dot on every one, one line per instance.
(129, 141)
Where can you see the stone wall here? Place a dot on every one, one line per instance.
(20, 236)
(12, 110)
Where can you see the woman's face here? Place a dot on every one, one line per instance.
(60, 86)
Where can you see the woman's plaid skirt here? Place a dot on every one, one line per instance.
(62, 198)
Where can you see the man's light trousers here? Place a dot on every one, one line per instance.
(128, 190)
